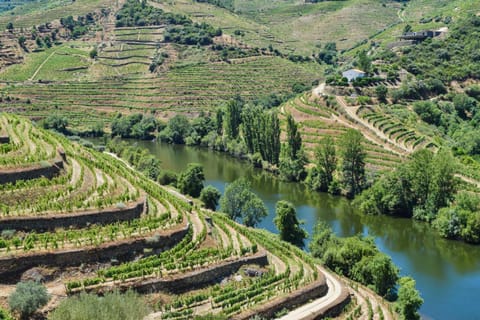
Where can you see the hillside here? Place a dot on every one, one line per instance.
(95, 224)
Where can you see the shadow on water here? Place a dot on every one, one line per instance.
(447, 272)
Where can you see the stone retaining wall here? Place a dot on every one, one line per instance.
(298, 298)
(295, 299)
(81, 219)
(32, 172)
(12, 267)
(181, 283)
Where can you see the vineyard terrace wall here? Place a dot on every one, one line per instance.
(11, 268)
(133, 210)
(298, 298)
(34, 172)
(181, 283)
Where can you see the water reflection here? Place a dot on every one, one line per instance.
(447, 272)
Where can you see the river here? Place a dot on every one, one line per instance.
(447, 272)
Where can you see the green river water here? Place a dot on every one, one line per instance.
(447, 272)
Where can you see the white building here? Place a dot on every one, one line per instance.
(353, 74)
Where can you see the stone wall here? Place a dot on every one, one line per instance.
(181, 283)
(295, 299)
(12, 267)
(81, 219)
(4, 139)
(298, 298)
(32, 172)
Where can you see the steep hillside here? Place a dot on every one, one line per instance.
(85, 220)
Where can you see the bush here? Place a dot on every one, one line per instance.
(27, 298)
(210, 196)
(112, 306)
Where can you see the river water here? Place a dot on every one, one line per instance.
(447, 272)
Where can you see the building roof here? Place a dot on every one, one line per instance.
(355, 70)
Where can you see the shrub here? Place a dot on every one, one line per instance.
(112, 306)
(28, 297)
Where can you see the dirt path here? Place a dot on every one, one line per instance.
(41, 65)
(351, 111)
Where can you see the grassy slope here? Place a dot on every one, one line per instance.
(36, 13)
(294, 26)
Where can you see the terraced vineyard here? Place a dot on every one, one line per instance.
(97, 225)
(320, 117)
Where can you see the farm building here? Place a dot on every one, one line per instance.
(353, 74)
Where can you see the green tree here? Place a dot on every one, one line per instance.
(364, 62)
(111, 306)
(27, 298)
(10, 26)
(294, 139)
(378, 271)
(191, 180)
(177, 130)
(353, 162)
(381, 91)
(233, 117)
(239, 201)
(93, 53)
(56, 122)
(288, 225)
(409, 300)
(326, 157)
(210, 196)
(253, 210)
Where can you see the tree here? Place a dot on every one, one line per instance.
(177, 130)
(288, 225)
(381, 91)
(111, 306)
(364, 62)
(27, 298)
(326, 157)
(254, 210)
(56, 122)
(210, 196)
(191, 180)
(409, 300)
(294, 139)
(232, 117)
(353, 162)
(93, 53)
(10, 26)
(240, 202)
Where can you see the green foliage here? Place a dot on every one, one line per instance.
(136, 126)
(210, 196)
(240, 202)
(381, 91)
(93, 53)
(355, 257)
(321, 176)
(192, 34)
(5, 315)
(138, 13)
(453, 58)
(409, 300)
(294, 139)
(112, 306)
(27, 298)
(353, 162)
(420, 187)
(191, 180)
(56, 122)
(232, 117)
(288, 225)
(261, 133)
(177, 130)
